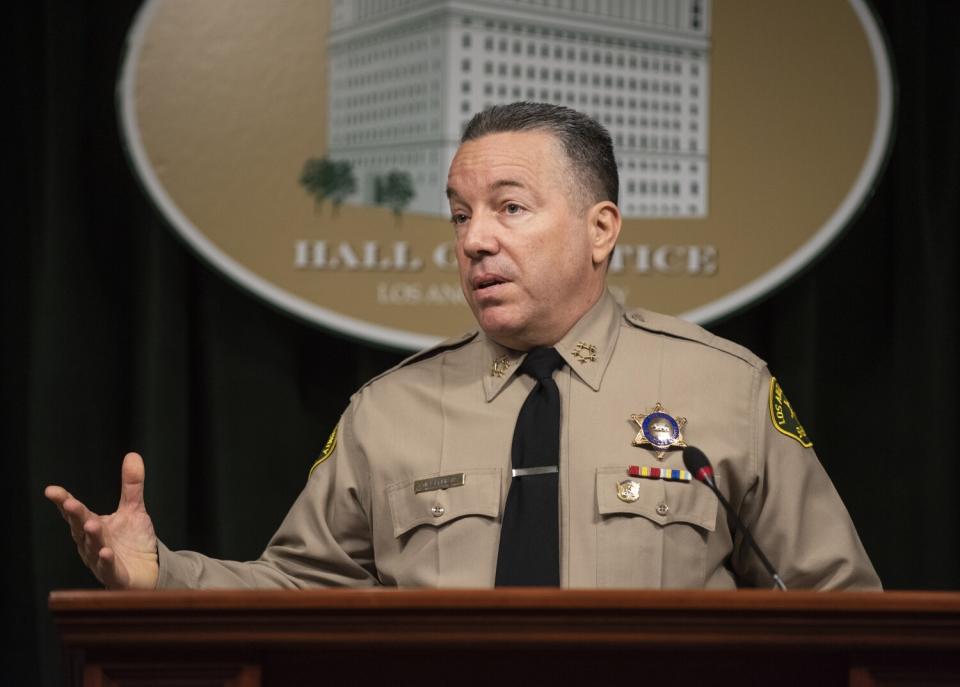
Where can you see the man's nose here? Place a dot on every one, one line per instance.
(480, 237)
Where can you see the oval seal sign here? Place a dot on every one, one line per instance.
(302, 147)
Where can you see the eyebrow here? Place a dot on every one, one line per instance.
(506, 182)
(500, 183)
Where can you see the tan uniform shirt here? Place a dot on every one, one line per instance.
(360, 522)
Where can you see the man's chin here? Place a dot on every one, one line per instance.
(502, 324)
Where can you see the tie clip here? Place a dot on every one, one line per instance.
(542, 470)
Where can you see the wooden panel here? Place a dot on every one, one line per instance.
(516, 635)
(170, 674)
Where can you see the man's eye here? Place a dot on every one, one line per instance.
(458, 218)
(512, 209)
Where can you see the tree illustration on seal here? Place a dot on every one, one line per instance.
(395, 191)
(326, 179)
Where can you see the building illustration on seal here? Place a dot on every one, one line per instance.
(405, 76)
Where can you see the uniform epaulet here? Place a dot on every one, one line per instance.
(427, 353)
(674, 326)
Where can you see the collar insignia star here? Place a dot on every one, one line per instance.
(659, 430)
(500, 366)
(585, 353)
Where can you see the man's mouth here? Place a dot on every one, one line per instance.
(487, 281)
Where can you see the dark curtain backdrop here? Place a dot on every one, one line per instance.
(115, 337)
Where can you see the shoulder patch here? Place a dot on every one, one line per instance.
(426, 354)
(682, 329)
(784, 418)
(328, 449)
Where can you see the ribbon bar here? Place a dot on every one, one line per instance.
(659, 473)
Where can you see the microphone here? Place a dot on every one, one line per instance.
(699, 466)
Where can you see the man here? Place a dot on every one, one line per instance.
(468, 466)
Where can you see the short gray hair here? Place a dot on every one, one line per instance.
(585, 141)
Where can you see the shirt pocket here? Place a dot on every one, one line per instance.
(478, 495)
(658, 540)
(446, 537)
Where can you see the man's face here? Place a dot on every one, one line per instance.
(524, 246)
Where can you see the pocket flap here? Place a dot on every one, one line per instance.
(657, 500)
(478, 495)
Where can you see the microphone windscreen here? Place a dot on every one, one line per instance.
(695, 460)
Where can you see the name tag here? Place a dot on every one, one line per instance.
(435, 483)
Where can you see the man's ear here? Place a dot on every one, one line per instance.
(604, 223)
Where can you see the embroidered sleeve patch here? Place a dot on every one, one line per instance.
(328, 449)
(784, 418)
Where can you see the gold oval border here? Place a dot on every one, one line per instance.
(398, 338)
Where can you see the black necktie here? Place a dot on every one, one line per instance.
(530, 536)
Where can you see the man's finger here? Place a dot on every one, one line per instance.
(93, 540)
(72, 509)
(108, 569)
(132, 475)
(56, 493)
(77, 511)
(58, 496)
(77, 515)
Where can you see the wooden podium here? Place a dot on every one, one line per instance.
(505, 637)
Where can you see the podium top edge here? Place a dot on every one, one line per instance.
(545, 599)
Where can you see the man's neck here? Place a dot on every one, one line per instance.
(551, 338)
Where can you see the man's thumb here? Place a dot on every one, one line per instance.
(132, 475)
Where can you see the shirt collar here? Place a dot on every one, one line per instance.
(587, 349)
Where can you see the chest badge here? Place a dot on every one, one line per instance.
(628, 490)
(659, 430)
